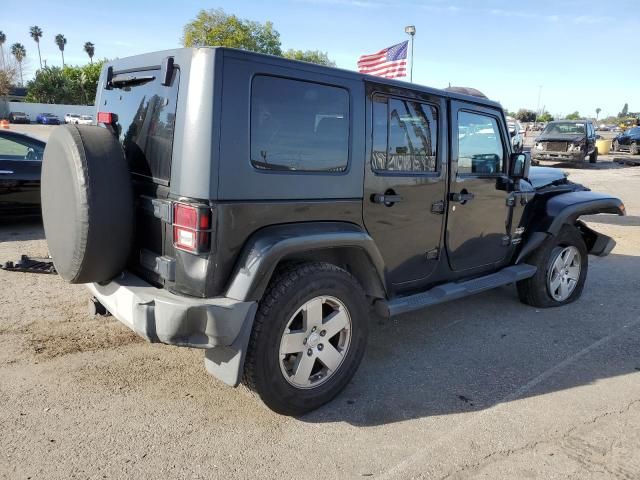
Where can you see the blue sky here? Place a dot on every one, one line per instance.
(584, 53)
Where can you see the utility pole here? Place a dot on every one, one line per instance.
(411, 31)
(538, 106)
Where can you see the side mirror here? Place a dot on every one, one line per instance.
(519, 165)
(512, 133)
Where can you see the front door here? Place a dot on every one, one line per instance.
(477, 218)
(405, 183)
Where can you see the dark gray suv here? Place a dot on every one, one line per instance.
(263, 209)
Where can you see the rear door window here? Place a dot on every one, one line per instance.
(298, 125)
(146, 112)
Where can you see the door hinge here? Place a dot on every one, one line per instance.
(433, 254)
(438, 207)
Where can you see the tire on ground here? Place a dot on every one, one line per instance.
(289, 289)
(534, 291)
(87, 203)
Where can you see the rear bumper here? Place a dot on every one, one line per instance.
(161, 316)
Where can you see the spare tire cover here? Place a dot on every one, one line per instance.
(87, 203)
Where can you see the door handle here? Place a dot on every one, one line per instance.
(385, 199)
(462, 197)
(6, 172)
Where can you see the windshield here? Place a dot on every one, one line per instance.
(564, 128)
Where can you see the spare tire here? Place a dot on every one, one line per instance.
(87, 203)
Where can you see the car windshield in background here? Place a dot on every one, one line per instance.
(564, 128)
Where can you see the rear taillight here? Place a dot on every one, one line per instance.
(191, 228)
(107, 118)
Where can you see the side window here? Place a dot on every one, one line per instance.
(12, 150)
(480, 148)
(404, 136)
(298, 126)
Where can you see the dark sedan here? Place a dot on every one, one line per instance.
(20, 165)
(47, 119)
(19, 117)
(629, 140)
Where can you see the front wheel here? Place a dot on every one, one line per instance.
(593, 158)
(308, 338)
(633, 149)
(562, 270)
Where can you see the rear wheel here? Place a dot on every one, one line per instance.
(562, 270)
(308, 338)
(614, 146)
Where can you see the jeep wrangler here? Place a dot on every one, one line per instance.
(262, 209)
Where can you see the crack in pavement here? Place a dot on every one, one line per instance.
(396, 470)
(548, 440)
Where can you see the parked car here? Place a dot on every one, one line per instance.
(20, 164)
(71, 118)
(47, 119)
(85, 120)
(628, 141)
(264, 228)
(19, 117)
(517, 134)
(566, 140)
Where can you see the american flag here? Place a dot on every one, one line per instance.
(390, 62)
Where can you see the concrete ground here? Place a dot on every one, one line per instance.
(480, 388)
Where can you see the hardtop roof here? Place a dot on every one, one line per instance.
(340, 72)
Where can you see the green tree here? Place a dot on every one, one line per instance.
(625, 110)
(90, 49)
(545, 117)
(525, 115)
(61, 42)
(217, 28)
(311, 56)
(573, 116)
(3, 38)
(19, 52)
(36, 34)
(598, 110)
(72, 85)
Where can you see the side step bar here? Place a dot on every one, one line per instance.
(451, 291)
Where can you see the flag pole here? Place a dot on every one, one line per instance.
(411, 31)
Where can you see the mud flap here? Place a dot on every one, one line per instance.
(226, 362)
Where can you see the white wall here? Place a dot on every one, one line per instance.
(35, 109)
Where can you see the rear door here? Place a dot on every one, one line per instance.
(405, 182)
(477, 218)
(145, 110)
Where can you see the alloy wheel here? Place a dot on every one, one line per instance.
(315, 342)
(564, 273)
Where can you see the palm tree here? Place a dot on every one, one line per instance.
(36, 34)
(90, 49)
(18, 51)
(598, 110)
(3, 38)
(61, 42)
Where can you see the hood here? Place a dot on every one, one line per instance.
(541, 177)
(569, 137)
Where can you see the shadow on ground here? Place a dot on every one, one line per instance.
(21, 229)
(478, 352)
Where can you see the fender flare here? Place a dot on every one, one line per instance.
(565, 209)
(267, 247)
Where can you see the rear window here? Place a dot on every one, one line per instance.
(146, 114)
(299, 126)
